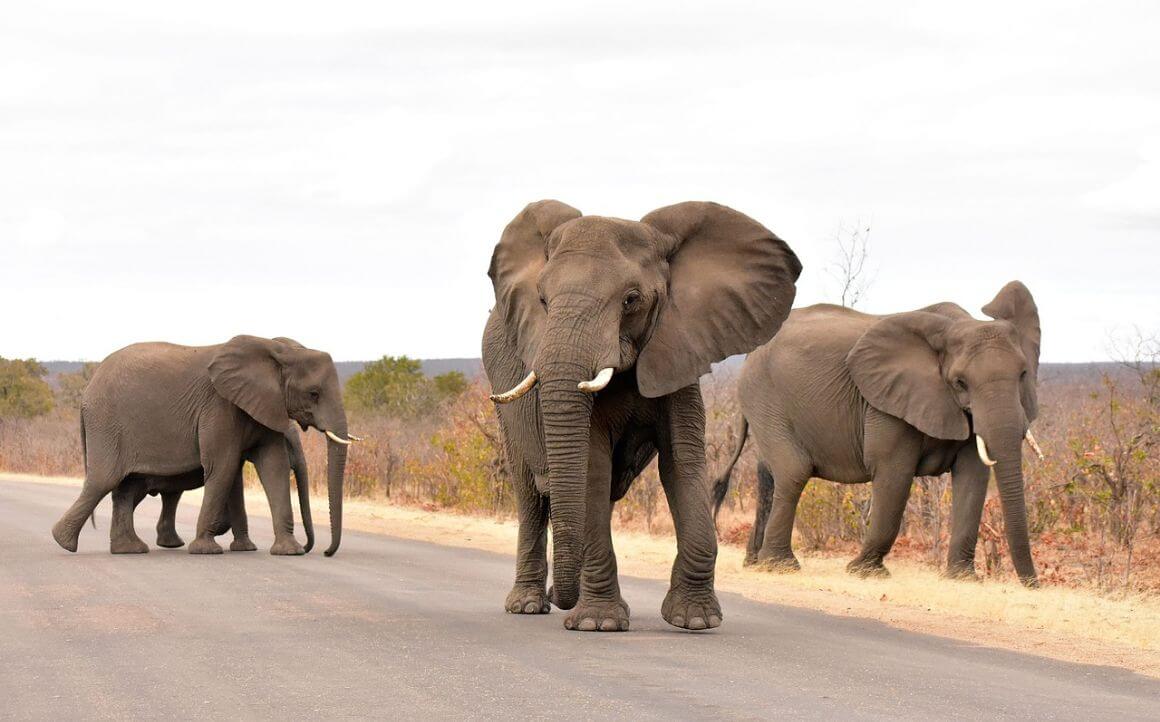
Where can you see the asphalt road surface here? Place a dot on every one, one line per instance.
(391, 628)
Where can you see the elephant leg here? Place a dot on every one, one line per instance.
(968, 493)
(97, 484)
(273, 467)
(167, 536)
(123, 537)
(600, 607)
(790, 477)
(761, 518)
(529, 594)
(239, 523)
(691, 602)
(220, 472)
(888, 497)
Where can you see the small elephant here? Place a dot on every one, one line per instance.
(854, 397)
(123, 537)
(163, 410)
(601, 329)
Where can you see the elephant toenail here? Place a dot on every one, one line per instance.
(696, 623)
(529, 608)
(714, 621)
(587, 625)
(609, 625)
(678, 621)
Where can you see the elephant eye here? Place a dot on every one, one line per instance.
(1023, 374)
(631, 299)
(543, 301)
(960, 384)
(315, 395)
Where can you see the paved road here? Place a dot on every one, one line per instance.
(390, 628)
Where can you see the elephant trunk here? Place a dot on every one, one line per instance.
(335, 468)
(1003, 433)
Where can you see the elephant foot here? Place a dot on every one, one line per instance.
(66, 537)
(128, 545)
(243, 544)
(1030, 582)
(692, 609)
(592, 615)
(868, 568)
(962, 572)
(778, 564)
(527, 599)
(205, 545)
(287, 546)
(169, 540)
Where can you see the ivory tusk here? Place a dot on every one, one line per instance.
(1033, 444)
(983, 451)
(517, 391)
(337, 439)
(352, 437)
(598, 383)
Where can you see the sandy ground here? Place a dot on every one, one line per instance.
(1066, 624)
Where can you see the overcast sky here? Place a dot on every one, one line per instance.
(339, 172)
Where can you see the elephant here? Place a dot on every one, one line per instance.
(123, 538)
(164, 410)
(854, 397)
(601, 329)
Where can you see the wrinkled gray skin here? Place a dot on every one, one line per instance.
(853, 397)
(658, 301)
(123, 538)
(162, 410)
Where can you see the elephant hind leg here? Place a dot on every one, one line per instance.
(68, 528)
(789, 473)
(765, 484)
(167, 536)
(123, 537)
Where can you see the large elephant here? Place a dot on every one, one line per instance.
(601, 329)
(123, 537)
(854, 397)
(160, 409)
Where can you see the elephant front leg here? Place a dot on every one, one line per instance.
(691, 602)
(167, 536)
(123, 537)
(888, 497)
(239, 523)
(968, 493)
(220, 471)
(274, 472)
(529, 594)
(600, 607)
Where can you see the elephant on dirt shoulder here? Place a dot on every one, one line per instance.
(601, 329)
(163, 410)
(853, 397)
(123, 537)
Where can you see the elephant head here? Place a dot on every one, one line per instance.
(277, 381)
(950, 375)
(585, 297)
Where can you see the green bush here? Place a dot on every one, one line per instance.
(23, 391)
(396, 386)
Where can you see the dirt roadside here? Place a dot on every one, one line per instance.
(1066, 624)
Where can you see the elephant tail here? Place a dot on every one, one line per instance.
(721, 485)
(85, 459)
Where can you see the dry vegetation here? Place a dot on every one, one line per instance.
(1094, 503)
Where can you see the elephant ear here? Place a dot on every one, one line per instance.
(1014, 304)
(895, 365)
(731, 285)
(246, 371)
(515, 269)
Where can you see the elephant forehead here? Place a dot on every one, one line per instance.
(599, 233)
(970, 338)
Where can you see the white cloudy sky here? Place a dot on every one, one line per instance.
(338, 172)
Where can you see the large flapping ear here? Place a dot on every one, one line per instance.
(1014, 304)
(731, 285)
(515, 268)
(245, 370)
(895, 365)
